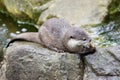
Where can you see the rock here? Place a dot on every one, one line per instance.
(24, 9)
(115, 52)
(30, 61)
(103, 65)
(2, 71)
(90, 75)
(78, 12)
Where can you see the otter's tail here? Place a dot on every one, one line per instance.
(29, 36)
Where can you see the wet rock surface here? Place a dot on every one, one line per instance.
(29, 61)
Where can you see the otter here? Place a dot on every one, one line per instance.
(58, 35)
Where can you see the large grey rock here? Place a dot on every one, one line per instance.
(78, 12)
(103, 65)
(30, 61)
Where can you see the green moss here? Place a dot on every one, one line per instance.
(113, 11)
(51, 16)
(114, 7)
(44, 1)
(110, 28)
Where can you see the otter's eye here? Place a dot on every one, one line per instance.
(84, 39)
(71, 36)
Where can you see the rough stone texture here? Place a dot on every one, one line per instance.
(78, 12)
(90, 75)
(2, 70)
(29, 61)
(115, 52)
(103, 65)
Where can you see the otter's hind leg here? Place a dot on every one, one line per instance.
(47, 39)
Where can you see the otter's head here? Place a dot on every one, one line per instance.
(76, 40)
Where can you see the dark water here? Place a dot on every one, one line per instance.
(10, 28)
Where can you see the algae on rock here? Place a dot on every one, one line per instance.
(24, 9)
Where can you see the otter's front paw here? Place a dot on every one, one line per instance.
(57, 50)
